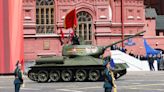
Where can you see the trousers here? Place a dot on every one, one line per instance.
(108, 90)
(17, 87)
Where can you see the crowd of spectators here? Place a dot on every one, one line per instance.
(131, 53)
(159, 58)
(115, 47)
(140, 57)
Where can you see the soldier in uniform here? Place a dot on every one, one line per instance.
(18, 77)
(109, 78)
(75, 39)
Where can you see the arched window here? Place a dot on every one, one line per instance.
(84, 28)
(44, 16)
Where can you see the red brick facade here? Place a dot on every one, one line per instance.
(105, 27)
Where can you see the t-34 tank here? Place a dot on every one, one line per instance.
(78, 63)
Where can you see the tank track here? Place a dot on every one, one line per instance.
(70, 74)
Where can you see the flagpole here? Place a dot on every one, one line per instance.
(113, 81)
(112, 75)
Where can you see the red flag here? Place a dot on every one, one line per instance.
(62, 34)
(70, 20)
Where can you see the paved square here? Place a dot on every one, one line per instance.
(132, 82)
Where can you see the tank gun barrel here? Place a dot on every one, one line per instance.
(123, 39)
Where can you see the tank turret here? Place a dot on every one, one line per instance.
(89, 50)
(77, 63)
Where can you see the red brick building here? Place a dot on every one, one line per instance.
(157, 4)
(99, 23)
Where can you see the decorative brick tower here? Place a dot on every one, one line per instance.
(11, 33)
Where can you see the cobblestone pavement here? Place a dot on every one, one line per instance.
(132, 82)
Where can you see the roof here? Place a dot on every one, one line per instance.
(160, 22)
(150, 13)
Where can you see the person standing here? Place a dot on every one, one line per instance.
(158, 61)
(162, 62)
(151, 62)
(75, 39)
(109, 78)
(18, 77)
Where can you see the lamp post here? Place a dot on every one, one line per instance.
(122, 22)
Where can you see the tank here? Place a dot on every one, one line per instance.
(77, 63)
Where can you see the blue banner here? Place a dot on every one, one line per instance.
(150, 50)
(130, 42)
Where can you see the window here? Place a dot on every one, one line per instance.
(84, 28)
(159, 33)
(44, 16)
(139, 14)
(130, 14)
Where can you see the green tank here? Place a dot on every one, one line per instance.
(77, 63)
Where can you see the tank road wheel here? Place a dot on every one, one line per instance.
(43, 76)
(55, 75)
(94, 75)
(81, 75)
(32, 75)
(66, 75)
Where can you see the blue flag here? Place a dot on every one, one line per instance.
(150, 50)
(112, 64)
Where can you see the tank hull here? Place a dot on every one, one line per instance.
(86, 68)
(78, 63)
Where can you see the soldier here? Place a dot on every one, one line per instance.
(18, 77)
(109, 78)
(75, 39)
